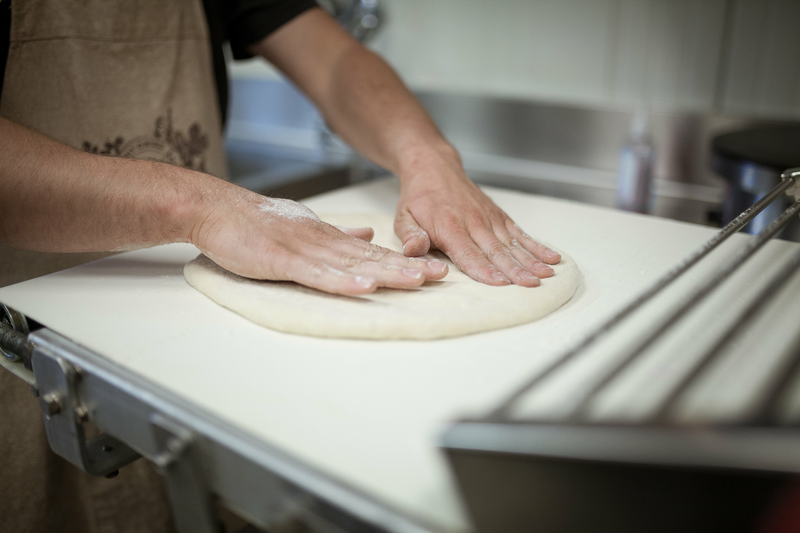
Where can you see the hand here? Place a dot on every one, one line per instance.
(269, 238)
(365, 102)
(440, 207)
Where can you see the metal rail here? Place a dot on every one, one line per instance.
(586, 397)
(789, 179)
(733, 333)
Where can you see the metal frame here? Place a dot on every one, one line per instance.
(606, 461)
(742, 448)
(789, 180)
(202, 457)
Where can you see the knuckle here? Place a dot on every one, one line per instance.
(468, 254)
(317, 269)
(375, 253)
(348, 261)
(511, 243)
(496, 250)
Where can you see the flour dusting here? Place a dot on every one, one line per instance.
(286, 209)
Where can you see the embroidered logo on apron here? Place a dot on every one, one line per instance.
(166, 145)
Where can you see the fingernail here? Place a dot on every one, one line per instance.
(416, 274)
(365, 282)
(545, 270)
(437, 265)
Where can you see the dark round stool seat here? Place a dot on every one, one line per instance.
(777, 147)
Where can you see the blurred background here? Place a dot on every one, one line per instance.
(620, 103)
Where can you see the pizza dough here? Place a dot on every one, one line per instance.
(456, 305)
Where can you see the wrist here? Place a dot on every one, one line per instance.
(418, 158)
(186, 205)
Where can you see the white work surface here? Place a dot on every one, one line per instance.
(366, 412)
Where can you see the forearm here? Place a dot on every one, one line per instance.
(58, 199)
(359, 94)
(371, 109)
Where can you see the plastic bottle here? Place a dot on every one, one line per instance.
(634, 188)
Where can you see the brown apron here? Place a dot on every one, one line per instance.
(121, 78)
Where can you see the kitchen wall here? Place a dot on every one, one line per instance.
(740, 56)
(724, 56)
(538, 95)
(598, 52)
(762, 64)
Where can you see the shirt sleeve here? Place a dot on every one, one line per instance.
(248, 21)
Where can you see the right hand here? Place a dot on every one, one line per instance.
(274, 239)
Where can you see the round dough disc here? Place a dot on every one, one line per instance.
(456, 305)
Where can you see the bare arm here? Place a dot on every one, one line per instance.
(365, 102)
(58, 199)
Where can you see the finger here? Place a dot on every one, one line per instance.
(500, 256)
(391, 276)
(527, 260)
(364, 234)
(416, 241)
(539, 251)
(321, 276)
(523, 256)
(470, 259)
(353, 252)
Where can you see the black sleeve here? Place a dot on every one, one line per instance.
(248, 21)
(5, 39)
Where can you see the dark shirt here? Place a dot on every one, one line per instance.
(240, 22)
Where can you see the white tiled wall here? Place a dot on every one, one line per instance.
(666, 53)
(662, 53)
(530, 48)
(737, 56)
(763, 61)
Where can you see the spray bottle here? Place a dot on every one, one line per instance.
(636, 168)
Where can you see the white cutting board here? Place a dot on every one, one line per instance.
(367, 412)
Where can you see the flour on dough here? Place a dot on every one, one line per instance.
(456, 305)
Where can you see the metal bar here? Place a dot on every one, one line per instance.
(180, 465)
(741, 447)
(18, 369)
(64, 414)
(791, 173)
(732, 333)
(735, 263)
(734, 226)
(257, 480)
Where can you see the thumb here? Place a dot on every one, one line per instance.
(415, 240)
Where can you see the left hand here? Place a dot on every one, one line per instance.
(441, 208)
